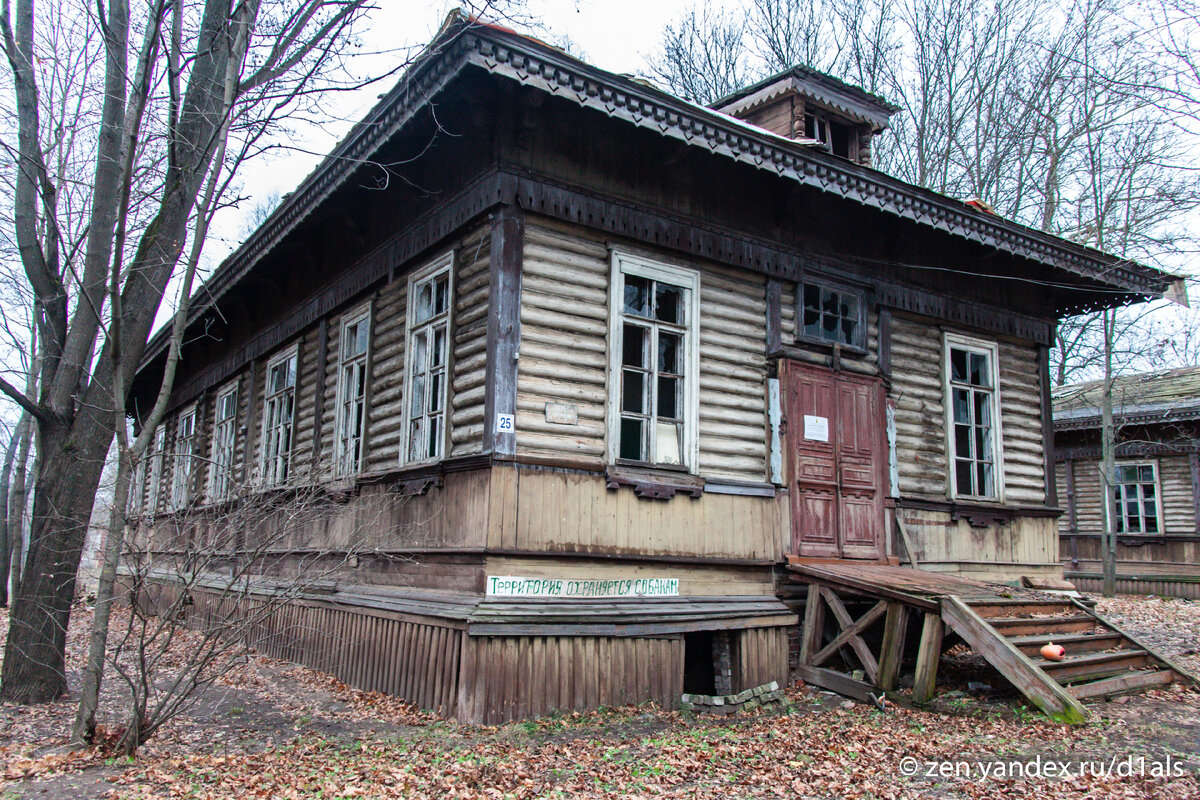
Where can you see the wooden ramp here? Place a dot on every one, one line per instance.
(1005, 625)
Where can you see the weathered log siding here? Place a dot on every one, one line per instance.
(385, 413)
(733, 373)
(1147, 565)
(918, 390)
(514, 677)
(471, 291)
(1175, 483)
(561, 511)
(564, 325)
(564, 358)
(1021, 424)
(303, 421)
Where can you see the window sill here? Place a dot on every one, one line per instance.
(654, 483)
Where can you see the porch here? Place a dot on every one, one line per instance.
(862, 620)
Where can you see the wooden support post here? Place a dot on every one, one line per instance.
(891, 652)
(904, 538)
(924, 684)
(503, 331)
(814, 624)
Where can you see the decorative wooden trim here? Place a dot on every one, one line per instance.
(1130, 450)
(250, 437)
(656, 484)
(999, 513)
(1051, 480)
(503, 328)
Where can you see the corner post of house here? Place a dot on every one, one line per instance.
(1194, 467)
(503, 331)
(1047, 425)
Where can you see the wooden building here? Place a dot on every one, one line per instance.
(1157, 496)
(588, 361)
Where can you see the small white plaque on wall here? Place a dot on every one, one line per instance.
(506, 423)
(562, 413)
(816, 428)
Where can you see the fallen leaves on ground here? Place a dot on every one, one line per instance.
(272, 729)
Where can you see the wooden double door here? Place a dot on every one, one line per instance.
(837, 452)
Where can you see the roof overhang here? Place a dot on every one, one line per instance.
(465, 44)
(853, 108)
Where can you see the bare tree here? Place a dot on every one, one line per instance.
(200, 71)
(703, 56)
(225, 576)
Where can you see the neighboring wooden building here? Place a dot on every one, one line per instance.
(590, 361)
(1157, 496)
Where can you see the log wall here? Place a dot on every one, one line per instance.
(564, 356)
(918, 391)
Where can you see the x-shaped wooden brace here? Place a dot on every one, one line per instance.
(851, 630)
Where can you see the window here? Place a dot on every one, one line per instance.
(836, 136)
(972, 410)
(352, 393)
(1135, 498)
(220, 476)
(185, 459)
(654, 363)
(429, 293)
(157, 454)
(830, 313)
(280, 408)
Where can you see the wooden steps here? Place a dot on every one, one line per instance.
(1007, 626)
(1101, 660)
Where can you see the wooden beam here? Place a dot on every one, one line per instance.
(1134, 682)
(930, 650)
(836, 682)
(814, 623)
(503, 329)
(908, 545)
(884, 357)
(891, 652)
(1047, 426)
(774, 315)
(1042, 690)
(852, 632)
(856, 643)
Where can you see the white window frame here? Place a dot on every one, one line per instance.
(345, 464)
(625, 263)
(991, 350)
(268, 462)
(223, 451)
(157, 458)
(413, 329)
(183, 465)
(1158, 506)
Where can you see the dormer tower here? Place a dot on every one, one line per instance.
(812, 107)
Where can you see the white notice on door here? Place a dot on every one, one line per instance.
(816, 428)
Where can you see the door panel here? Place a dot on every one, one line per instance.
(837, 484)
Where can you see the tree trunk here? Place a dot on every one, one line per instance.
(17, 501)
(34, 669)
(10, 453)
(93, 671)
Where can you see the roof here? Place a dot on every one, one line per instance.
(853, 101)
(464, 44)
(1146, 398)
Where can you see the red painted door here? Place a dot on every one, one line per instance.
(837, 448)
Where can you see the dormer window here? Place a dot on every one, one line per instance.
(837, 136)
